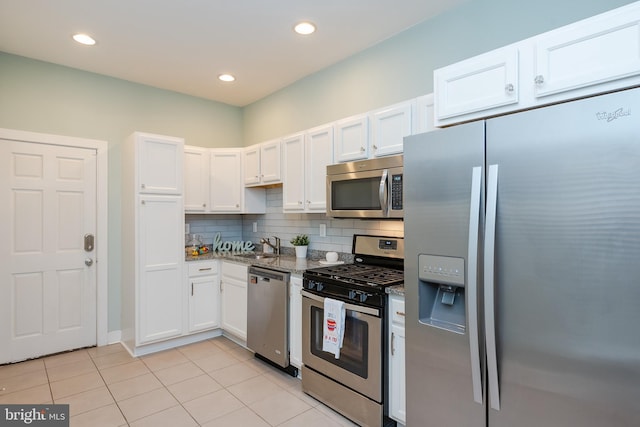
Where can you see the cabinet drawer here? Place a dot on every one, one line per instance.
(202, 268)
(397, 310)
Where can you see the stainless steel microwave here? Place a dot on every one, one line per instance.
(366, 189)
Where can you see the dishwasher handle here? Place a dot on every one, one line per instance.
(263, 273)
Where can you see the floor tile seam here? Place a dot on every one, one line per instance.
(112, 396)
(70, 376)
(166, 388)
(92, 409)
(295, 416)
(256, 414)
(23, 373)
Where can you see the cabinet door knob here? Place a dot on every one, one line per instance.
(509, 88)
(143, 202)
(375, 147)
(204, 205)
(299, 202)
(143, 186)
(362, 149)
(237, 205)
(308, 202)
(539, 80)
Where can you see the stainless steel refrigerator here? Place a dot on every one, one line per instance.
(522, 269)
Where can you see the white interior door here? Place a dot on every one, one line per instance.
(47, 278)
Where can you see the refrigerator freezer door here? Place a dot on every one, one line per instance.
(567, 269)
(440, 169)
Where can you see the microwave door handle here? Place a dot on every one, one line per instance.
(383, 193)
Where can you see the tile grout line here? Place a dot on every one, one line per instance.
(109, 390)
(169, 391)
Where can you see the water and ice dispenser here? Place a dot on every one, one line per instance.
(441, 292)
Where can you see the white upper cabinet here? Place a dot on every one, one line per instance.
(352, 138)
(305, 160)
(592, 56)
(598, 50)
(159, 163)
(196, 179)
(251, 164)
(389, 126)
(425, 114)
(319, 155)
(270, 162)
(293, 173)
(226, 178)
(476, 84)
(261, 164)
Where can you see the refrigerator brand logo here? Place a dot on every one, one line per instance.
(609, 117)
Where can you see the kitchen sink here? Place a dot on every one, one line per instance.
(257, 255)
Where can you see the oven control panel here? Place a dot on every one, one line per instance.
(380, 246)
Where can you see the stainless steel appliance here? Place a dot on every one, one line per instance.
(365, 189)
(523, 238)
(267, 318)
(353, 384)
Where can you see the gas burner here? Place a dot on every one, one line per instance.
(379, 262)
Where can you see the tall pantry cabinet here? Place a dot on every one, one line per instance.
(152, 239)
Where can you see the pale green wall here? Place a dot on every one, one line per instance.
(401, 67)
(42, 97)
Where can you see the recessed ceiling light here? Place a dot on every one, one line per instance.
(84, 39)
(226, 77)
(304, 28)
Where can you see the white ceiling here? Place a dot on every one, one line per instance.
(183, 45)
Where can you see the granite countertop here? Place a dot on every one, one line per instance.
(286, 263)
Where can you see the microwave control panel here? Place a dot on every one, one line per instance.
(396, 192)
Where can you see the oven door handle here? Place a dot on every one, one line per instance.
(347, 306)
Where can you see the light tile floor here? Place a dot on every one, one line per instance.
(211, 383)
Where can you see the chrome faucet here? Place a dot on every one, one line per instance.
(276, 247)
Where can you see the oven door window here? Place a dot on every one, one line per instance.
(354, 352)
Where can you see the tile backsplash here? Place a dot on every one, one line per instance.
(339, 232)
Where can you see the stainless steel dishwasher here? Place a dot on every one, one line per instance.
(268, 317)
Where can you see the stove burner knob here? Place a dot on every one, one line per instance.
(363, 297)
(320, 287)
(352, 295)
(312, 284)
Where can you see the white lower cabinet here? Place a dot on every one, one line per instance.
(203, 287)
(397, 389)
(295, 321)
(233, 295)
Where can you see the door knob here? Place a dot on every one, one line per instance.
(88, 262)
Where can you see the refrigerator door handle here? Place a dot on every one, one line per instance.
(383, 194)
(489, 306)
(472, 282)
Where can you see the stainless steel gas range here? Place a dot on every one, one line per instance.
(355, 383)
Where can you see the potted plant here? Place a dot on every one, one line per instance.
(300, 243)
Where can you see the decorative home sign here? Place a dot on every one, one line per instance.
(239, 246)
